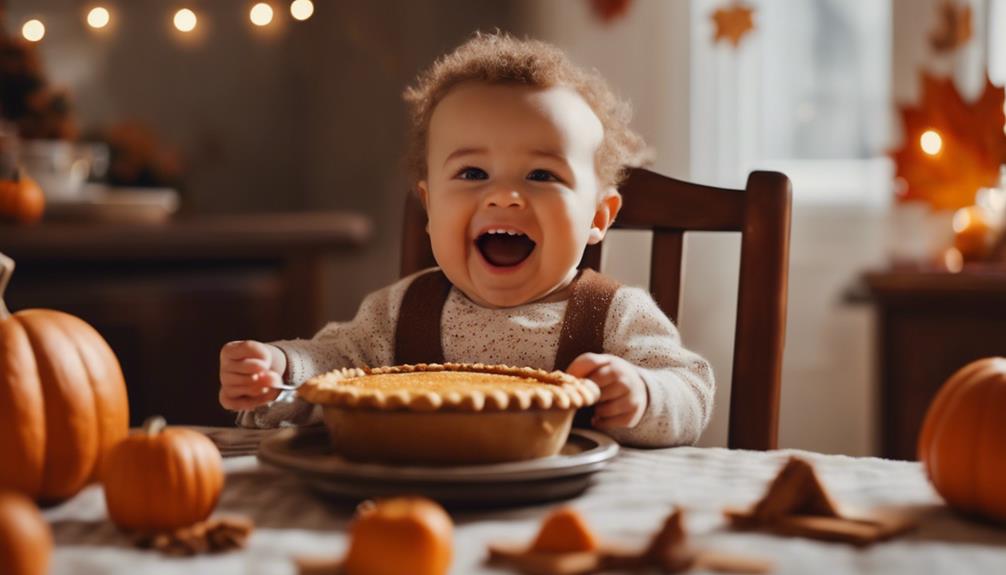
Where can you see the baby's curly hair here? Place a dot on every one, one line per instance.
(499, 58)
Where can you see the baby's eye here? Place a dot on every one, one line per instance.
(470, 173)
(542, 176)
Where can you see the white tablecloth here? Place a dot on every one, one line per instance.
(627, 503)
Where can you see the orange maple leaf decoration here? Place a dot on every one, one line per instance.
(953, 29)
(973, 144)
(733, 23)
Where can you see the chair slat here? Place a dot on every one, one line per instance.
(665, 270)
(654, 201)
(761, 314)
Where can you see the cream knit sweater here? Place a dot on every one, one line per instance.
(679, 382)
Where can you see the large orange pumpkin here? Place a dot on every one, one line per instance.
(62, 400)
(963, 440)
(161, 479)
(25, 537)
(21, 200)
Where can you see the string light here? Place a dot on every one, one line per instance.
(33, 30)
(261, 14)
(98, 17)
(185, 20)
(931, 142)
(302, 9)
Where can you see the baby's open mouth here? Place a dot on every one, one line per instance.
(504, 248)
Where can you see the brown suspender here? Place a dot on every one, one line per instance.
(418, 336)
(583, 324)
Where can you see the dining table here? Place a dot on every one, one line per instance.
(626, 502)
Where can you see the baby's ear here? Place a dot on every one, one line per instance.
(604, 216)
(424, 194)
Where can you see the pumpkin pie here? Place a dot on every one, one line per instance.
(451, 413)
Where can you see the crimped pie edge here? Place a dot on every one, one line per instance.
(562, 391)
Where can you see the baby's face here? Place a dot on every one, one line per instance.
(512, 192)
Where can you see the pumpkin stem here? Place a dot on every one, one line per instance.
(154, 425)
(6, 271)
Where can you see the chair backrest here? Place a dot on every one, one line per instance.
(669, 207)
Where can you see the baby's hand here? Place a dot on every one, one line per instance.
(623, 392)
(250, 374)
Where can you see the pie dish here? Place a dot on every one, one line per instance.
(451, 413)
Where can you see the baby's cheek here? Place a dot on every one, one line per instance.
(447, 231)
(568, 242)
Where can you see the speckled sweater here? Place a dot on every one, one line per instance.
(679, 382)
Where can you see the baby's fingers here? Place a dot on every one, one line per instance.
(244, 349)
(239, 381)
(611, 390)
(626, 411)
(248, 366)
(585, 364)
(270, 380)
(261, 382)
(614, 407)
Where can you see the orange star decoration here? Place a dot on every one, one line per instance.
(953, 27)
(733, 23)
(951, 148)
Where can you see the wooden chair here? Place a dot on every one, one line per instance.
(669, 207)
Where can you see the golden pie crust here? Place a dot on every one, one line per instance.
(450, 386)
(451, 413)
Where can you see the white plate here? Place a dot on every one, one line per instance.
(307, 453)
(108, 204)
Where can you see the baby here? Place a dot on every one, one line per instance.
(516, 155)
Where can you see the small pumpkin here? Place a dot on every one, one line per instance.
(21, 200)
(400, 535)
(162, 479)
(25, 537)
(564, 531)
(962, 445)
(62, 400)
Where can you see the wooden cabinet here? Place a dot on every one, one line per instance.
(166, 297)
(930, 323)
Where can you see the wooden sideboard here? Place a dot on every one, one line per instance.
(929, 324)
(167, 296)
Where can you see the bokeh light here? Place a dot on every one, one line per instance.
(98, 17)
(301, 9)
(261, 14)
(931, 142)
(33, 30)
(962, 219)
(185, 20)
